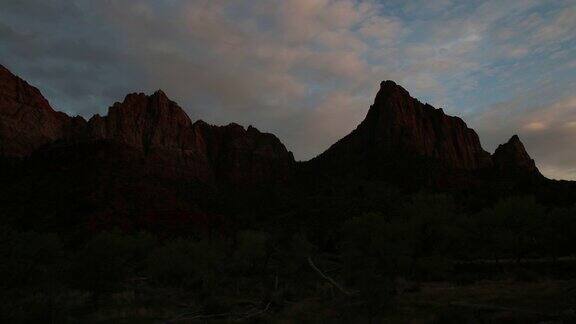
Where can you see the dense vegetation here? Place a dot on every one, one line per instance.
(323, 258)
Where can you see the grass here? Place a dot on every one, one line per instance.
(495, 301)
(488, 302)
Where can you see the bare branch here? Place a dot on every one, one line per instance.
(254, 312)
(330, 280)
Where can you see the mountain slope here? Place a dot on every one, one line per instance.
(146, 163)
(400, 132)
(512, 158)
(153, 125)
(27, 121)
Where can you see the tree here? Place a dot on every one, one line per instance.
(107, 260)
(30, 267)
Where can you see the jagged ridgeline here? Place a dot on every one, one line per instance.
(148, 160)
(145, 215)
(152, 126)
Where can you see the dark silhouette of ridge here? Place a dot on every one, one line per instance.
(512, 157)
(154, 125)
(405, 141)
(146, 162)
(395, 125)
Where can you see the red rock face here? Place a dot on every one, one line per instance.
(512, 158)
(399, 124)
(241, 155)
(213, 154)
(157, 131)
(145, 122)
(145, 163)
(161, 136)
(26, 119)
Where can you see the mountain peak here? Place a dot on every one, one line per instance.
(399, 125)
(388, 83)
(139, 97)
(390, 89)
(512, 157)
(160, 95)
(27, 121)
(3, 69)
(515, 140)
(159, 92)
(515, 144)
(144, 121)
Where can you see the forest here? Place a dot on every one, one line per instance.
(323, 261)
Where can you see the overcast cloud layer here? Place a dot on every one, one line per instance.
(307, 70)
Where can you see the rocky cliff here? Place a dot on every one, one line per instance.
(27, 121)
(159, 127)
(146, 163)
(241, 155)
(146, 122)
(397, 124)
(401, 133)
(512, 158)
(153, 127)
(397, 128)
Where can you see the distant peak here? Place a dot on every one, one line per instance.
(3, 69)
(388, 83)
(389, 88)
(159, 93)
(514, 139)
(131, 97)
(513, 156)
(27, 121)
(513, 144)
(235, 126)
(138, 98)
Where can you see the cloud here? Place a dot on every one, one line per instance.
(306, 70)
(535, 126)
(548, 131)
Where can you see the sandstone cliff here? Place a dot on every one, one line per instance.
(153, 127)
(398, 124)
(27, 121)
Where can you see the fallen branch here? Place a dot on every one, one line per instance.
(500, 308)
(330, 280)
(258, 312)
(249, 314)
(487, 307)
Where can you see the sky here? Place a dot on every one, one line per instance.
(308, 70)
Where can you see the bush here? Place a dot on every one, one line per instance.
(107, 260)
(252, 250)
(187, 263)
(31, 265)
